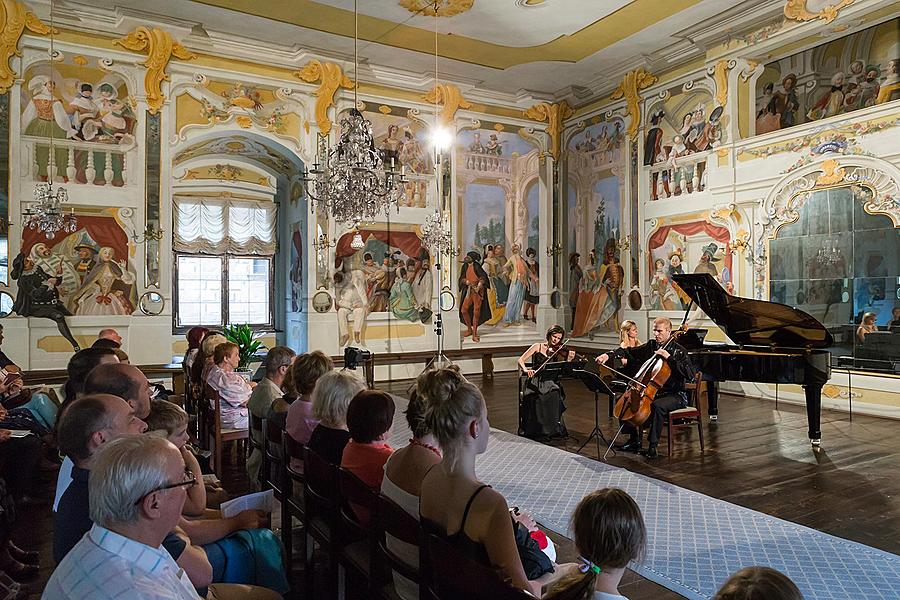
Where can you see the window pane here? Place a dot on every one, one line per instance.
(199, 290)
(248, 290)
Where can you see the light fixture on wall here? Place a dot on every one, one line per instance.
(150, 233)
(323, 243)
(46, 213)
(436, 235)
(350, 180)
(554, 249)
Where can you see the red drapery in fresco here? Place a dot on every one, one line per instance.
(716, 232)
(105, 231)
(405, 241)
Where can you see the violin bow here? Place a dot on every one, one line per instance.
(554, 353)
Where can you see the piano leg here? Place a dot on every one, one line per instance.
(712, 396)
(814, 412)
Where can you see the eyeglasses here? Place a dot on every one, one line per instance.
(189, 481)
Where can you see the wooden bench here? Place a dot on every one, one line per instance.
(59, 376)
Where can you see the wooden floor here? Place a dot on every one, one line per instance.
(755, 456)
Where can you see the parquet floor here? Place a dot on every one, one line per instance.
(755, 456)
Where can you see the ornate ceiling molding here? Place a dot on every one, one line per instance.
(445, 8)
(331, 77)
(798, 10)
(14, 19)
(450, 98)
(160, 48)
(630, 89)
(553, 115)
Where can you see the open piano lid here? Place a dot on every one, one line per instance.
(753, 322)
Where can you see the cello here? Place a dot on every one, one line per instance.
(633, 406)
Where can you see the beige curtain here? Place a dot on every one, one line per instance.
(212, 225)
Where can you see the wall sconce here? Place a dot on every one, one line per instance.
(323, 242)
(623, 244)
(150, 233)
(554, 249)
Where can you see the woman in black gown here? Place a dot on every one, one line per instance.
(543, 399)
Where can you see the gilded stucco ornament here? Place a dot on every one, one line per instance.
(15, 18)
(719, 73)
(451, 100)
(332, 77)
(553, 115)
(798, 10)
(445, 8)
(630, 88)
(160, 48)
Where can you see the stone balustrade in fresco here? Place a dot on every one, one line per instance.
(678, 176)
(77, 162)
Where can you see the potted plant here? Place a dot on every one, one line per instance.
(243, 336)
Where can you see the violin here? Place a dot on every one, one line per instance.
(633, 406)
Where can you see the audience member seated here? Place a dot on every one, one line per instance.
(609, 533)
(135, 498)
(171, 422)
(402, 483)
(16, 563)
(125, 381)
(300, 421)
(369, 419)
(17, 396)
(453, 502)
(893, 326)
(331, 397)
(278, 363)
(81, 363)
(194, 338)
(20, 458)
(106, 343)
(206, 357)
(22, 417)
(867, 326)
(234, 390)
(758, 583)
(85, 426)
(110, 334)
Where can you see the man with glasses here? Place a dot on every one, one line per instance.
(86, 425)
(278, 363)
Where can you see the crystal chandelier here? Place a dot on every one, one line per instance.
(436, 236)
(46, 212)
(349, 181)
(830, 254)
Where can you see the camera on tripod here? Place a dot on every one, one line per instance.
(353, 357)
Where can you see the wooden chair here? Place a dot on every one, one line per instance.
(357, 534)
(451, 575)
(321, 500)
(689, 416)
(273, 476)
(292, 505)
(395, 522)
(215, 435)
(257, 442)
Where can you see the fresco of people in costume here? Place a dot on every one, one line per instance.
(90, 267)
(390, 274)
(83, 105)
(853, 72)
(694, 247)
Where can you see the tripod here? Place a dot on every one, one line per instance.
(593, 383)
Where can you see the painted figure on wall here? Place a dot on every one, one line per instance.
(403, 299)
(56, 266)
(834, 78)
(352, 303)
(400, 137)
(517, 270)
(296, 273)
(37, 296)
(422, 283)
(532, 290)
(473, 286)
(576, 273)
(109, 289)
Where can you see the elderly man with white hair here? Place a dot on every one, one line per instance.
(137, 491)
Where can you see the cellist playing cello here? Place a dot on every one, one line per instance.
(671, 396)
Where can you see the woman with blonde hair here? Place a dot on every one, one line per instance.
(866, 327)
(628, 335)
(330, 399)
(454, 504)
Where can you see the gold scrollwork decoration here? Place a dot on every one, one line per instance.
(797, 10)
(160, 48)
(15, 18)
(832, 173)
(630, 89)
(450, 98)
(445, 8)
(719, 74)
(553, 115)
(332, 77)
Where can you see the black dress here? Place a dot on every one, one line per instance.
(543, 403)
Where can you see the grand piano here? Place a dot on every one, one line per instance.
(775, 344)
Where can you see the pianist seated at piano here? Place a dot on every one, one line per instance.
(671, 396)
(866, 327)
(543, 399)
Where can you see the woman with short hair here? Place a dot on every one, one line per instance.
(234, 391)
(331, 398)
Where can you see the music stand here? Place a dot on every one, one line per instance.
(593, 383)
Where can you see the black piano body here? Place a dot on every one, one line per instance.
(775, 344)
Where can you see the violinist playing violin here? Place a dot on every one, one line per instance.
(671, 396)
(544, 399)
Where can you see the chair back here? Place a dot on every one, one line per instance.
(399, 524)
(359, 506)
(274, 474)
(292, 450)
(321, 492)
(693, 388)
(454, 575)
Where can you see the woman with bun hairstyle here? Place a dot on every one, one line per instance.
(453, 503)
(759, 583)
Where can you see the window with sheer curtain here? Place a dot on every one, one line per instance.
(224, 252)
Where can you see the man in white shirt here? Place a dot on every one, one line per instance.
(137, 492)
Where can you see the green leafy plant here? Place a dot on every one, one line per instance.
(243, 336)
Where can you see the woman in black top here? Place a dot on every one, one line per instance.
(330, 399)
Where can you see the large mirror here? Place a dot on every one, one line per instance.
(152, 303)
(841, 264)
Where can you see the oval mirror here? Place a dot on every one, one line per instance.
(6, 304)
(322, 301)
(635, 300)
(152, 303)
(447, 300)
(555, 299)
